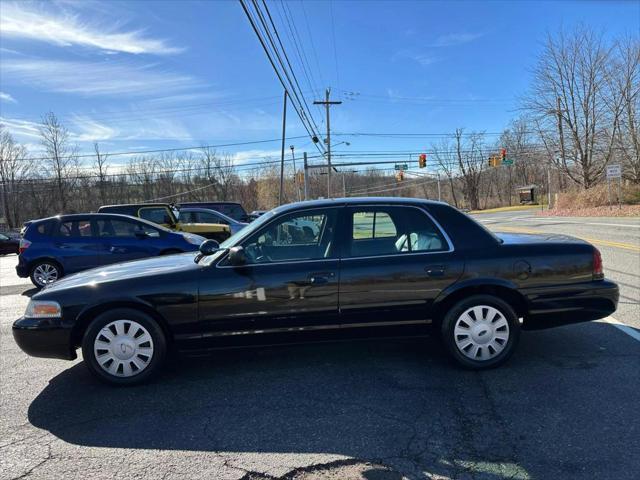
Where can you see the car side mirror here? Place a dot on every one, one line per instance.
(237, 256)
(209, 247)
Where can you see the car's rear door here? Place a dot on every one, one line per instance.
(124, 239)
(289, 283)
(395, 262)
(75, 244)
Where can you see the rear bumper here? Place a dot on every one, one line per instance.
(561, 305)
(22, 269)
(44, 337)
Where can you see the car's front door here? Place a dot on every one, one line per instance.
(289, 282)
(395, 263)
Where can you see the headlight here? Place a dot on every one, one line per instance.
(194, 239)
(43, 309)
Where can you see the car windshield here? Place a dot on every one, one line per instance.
(240, 235)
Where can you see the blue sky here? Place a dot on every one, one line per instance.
(137, 75)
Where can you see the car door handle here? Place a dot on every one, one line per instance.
(320, 278)
(435, 270)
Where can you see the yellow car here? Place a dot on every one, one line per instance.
(162, 214)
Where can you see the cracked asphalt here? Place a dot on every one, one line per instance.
(564, 407)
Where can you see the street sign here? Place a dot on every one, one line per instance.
(507, 161)
(401, 166)
(614, 171)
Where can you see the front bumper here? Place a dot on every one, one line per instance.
(44, 337)
(565, 304)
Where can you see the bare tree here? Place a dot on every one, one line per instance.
(572, 104)
(625, 83)
(14, 166)
(100, 165)
(61, 162)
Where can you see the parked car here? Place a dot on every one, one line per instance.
(8, 244)
(163, 214)
(376, 266)
(206, 215)
(54, 247)
(230, 209)
(256, 213)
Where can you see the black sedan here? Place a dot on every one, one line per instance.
(9, 244)
(363, 267)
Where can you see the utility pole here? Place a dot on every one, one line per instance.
(295, 172)
(438, 175)
(327, 103)
(284, 131)
(306, 176)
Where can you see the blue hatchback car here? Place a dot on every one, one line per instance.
(53, 247)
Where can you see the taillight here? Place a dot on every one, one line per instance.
(24, 244)
(598, 271)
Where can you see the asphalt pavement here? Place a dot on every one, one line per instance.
(564, 407)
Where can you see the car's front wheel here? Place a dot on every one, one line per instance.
(124, 347)
(481, 331)
(44, 273)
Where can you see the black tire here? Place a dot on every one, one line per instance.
(136, 319)
(483, 331)
(47, 265)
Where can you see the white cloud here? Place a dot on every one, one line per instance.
(66, 29)
(424, 59)
(21, 128)
(5, 97)
(97, 78)
(453, 39)
(88, 130)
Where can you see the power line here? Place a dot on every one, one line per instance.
(177, 149)
(298, 108)
(335, 48)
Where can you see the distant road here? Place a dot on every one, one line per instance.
(617, 238)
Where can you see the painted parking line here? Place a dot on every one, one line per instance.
(632, 332)
(595, 241)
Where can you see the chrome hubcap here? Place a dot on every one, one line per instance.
(481, 333)
(45, 274)
(123, 348)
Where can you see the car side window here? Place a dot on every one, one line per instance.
(158, 215)
(299, 236)
(188, 217)
(74, 228)
(124, 229)
(211, 218)
(393, 230)
(3, 237)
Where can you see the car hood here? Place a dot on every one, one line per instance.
(138, 269)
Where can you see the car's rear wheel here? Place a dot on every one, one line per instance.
(481, 331)
(44, 273)
(124, 347)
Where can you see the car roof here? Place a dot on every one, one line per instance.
(95, 216)
(136, 205)
(328, 202)
(210, 203)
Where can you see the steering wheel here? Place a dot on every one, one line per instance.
(256, 254)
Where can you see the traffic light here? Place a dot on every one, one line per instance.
(493, 161)
(503, 155)
(299, 177)
(400, 175)
(422, 160)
